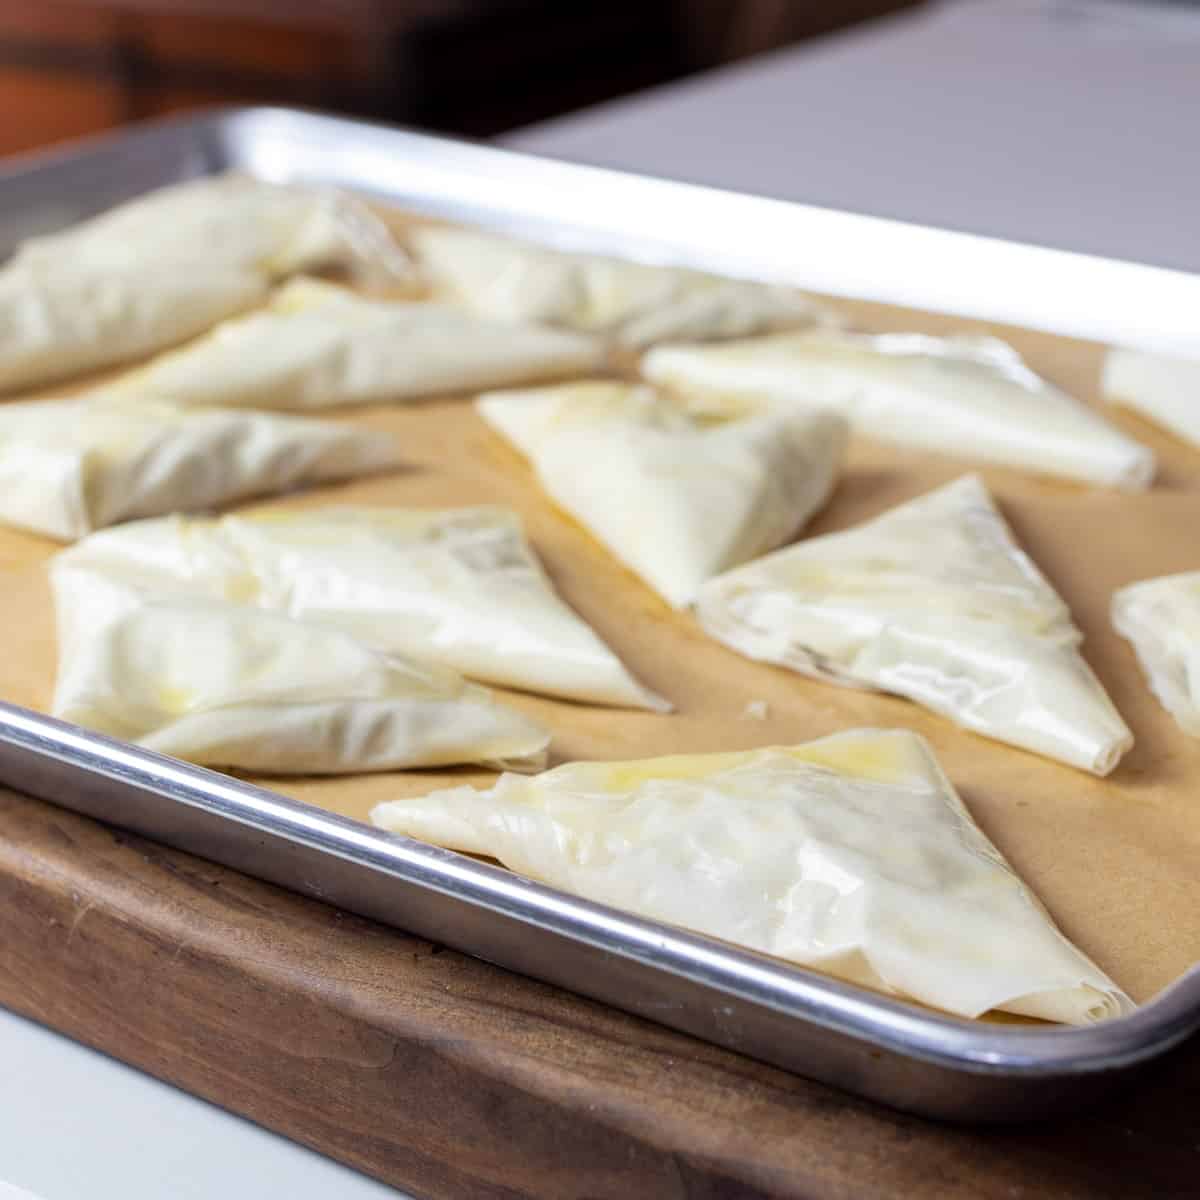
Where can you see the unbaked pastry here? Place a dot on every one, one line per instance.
(459, 586)
(168, 266)
(968, 396)
(274, 229)
(1164, 390)
(1161, 617)
(852, 855)
(933, 600)
(70, 467)
(634, 304)
(227, 686)
(316, 345)
(675, 499)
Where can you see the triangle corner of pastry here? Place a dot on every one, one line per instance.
(743, 846)
(933, 600)
(228, 686)
(675, 499)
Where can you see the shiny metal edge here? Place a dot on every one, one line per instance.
(799, 1020)
(632, 215)
(883, 1049)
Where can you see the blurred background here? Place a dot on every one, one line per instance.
(1066, 122)
(475, 67)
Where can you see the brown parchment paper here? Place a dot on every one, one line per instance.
(1116, 861)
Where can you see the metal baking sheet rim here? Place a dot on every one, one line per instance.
(801, 1021)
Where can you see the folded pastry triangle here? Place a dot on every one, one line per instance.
(274, 229)
(60, 318)
(935, 601)
(226, 686)
(675, 499)
(1161, 617)
(1164, 390)
(169, 266)
(969, 396)
(317, 345)
(635, 304)
(852, 855)
(70, 467)
(460, 587)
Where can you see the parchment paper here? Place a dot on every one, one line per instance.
(1116, 861)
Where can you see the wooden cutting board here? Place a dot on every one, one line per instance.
(456, 1080)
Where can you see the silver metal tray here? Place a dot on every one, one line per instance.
(799, 1020)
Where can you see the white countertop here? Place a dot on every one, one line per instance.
(1069, 123)
(1028, 119)
(76, 1125)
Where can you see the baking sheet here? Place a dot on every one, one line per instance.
(1114, 860)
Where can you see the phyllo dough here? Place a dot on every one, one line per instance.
(60, 318)
(168, 267)
(1161, 617)
(226, 686)
(969, 396)
(69, 467)
(316, 345)
(1164, 390)
(852, 855)
(460, 587)
(635, 304)
(675, 499)
(935, 601)
(276, 230)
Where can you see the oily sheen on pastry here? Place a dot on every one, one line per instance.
(852, 855)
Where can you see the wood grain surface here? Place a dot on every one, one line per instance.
(459, 1081)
